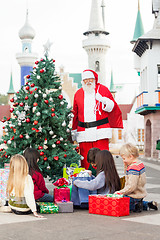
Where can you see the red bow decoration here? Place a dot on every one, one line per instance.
(60, 182)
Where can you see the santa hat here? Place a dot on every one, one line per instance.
(88, 73)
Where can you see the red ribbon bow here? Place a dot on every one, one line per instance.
(60, 182)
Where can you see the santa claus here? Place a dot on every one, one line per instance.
(95, 114)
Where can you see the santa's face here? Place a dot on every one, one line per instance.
(88, 84)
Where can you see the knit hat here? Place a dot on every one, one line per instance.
(87, 74)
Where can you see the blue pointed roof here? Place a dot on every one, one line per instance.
(139, 30)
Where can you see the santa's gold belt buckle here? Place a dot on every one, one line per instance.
(87, 124)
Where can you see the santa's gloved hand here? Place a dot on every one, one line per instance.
(100, 98)
(74, 135)
(107, 104)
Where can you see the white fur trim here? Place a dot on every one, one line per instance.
(94, 134)
(87, 75)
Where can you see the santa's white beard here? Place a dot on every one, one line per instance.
(88, 87)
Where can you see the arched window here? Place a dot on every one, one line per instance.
(97, 66)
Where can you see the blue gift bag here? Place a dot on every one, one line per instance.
(79, 196)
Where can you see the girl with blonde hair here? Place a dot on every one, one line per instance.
(20, 187)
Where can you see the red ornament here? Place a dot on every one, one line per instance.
(28, 76)
(60, 97)
(5, 141)
(28, 120)
(36, 62)
(32, 85)
(53, 114)
(1, 149)
(21, 104)
(21, 136)
(27, 88)
(15, 104)
(46, 101)
(26, 98)
(41, 153)
(11, 110)
(12, 138)
(58, 142)
(31, 92)
(12, 100)
(41, 59)
(26, 83)
(56, 158)
(40, 147)
(45, 158)
(52, 109)
(35, 122)
(6, 156)
(42, 71)
(53, 60)
(3, 120)
(65, 155)
(35, 104)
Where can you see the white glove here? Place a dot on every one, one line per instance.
(74, 135)
(107, 104)
(100, 98)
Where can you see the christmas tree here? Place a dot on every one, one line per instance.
(41, 120)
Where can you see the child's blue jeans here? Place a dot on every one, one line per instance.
(46, 198)
(134, 201)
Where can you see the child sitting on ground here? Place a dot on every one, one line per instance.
(135, 179)
(91, 159)
(20, 187)
(41, 193)
(107, 179)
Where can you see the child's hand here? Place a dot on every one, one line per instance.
(37, 215)
(89, 172)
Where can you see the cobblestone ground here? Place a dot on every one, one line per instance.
(80, 225)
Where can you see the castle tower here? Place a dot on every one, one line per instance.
(26, 58)
(112, 87)
(138, 32)
(96, 44)
(147, 48)
(11, 91)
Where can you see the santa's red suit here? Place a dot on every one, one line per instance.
(95, 114)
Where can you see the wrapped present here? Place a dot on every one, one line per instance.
(79, 196)
(65, 207)
(110, 206)
(48, 207)
(83, 173)
(4, 173)
(70, 171)
(61, 192)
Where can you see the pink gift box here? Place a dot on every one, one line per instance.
(61, 194)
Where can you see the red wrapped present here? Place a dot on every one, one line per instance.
(61, 194)
(110, 206)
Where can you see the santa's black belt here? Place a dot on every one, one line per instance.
(93, 124)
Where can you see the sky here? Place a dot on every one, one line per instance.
(63, 22)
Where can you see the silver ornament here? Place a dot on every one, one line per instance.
(38, 114)
(9, 141)
(64, 124)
